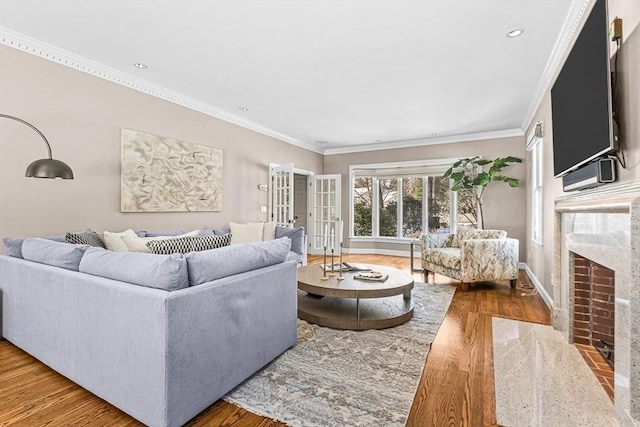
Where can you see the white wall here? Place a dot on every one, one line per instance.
(540, 259)
(81, 116)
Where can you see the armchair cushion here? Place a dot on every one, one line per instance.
(466, 233)
(446, 257)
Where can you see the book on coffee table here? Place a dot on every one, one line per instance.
(345, 267)
(373, 276)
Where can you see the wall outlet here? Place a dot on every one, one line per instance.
(263, 208)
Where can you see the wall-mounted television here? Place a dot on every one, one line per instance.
(581, 98)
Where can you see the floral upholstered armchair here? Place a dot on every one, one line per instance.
(471, 255)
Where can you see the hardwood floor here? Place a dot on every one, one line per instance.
(456, 389)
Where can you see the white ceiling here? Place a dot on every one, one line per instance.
(357, 74)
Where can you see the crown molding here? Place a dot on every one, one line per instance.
(55, 54)
(566, 37)
(506, 133)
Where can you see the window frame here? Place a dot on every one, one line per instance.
(436, 167)
(535, 146)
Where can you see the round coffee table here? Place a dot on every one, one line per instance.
(352, 303)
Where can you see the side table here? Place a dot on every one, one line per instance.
(413, 242)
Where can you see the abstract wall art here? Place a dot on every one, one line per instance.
(161, 174)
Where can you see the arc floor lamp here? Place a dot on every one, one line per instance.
(44, 168)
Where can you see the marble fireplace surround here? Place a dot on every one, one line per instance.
(603, 225)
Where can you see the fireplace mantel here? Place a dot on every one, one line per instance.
(603, 225)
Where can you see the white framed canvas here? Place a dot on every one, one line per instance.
(162, 174)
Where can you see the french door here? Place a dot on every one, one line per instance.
(325, 226)
(281, 191)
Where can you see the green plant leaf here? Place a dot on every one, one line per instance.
(457, 176)
(447, 174)
(482, 179)
(511, 159)
(483, 162)
(513, 182)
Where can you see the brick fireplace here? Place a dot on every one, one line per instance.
(594, 305)
(596, 285)
(594, 318)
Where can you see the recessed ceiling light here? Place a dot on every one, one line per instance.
(321, 142)
(140, 65)
(515, 33)
(243, 109)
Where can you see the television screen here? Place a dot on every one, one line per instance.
(581, 98)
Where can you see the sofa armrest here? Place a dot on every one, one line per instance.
(489, 259)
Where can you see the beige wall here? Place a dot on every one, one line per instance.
(504, 207)
(81, 116)
(540, 259)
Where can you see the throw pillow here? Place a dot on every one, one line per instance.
(13, 247)
(182, 245)
(268, 231)
(139, 244)
(113, 241)
(295, 234)
(246, 233)
(87, 237)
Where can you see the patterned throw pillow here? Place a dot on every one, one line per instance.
(87, 237)
(182, 245)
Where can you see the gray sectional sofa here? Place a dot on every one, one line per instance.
(101, 319)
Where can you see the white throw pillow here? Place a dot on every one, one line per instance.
(113, 241)
(139, 244)
(268, 231)
(246, 233)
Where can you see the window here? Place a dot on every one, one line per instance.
(400, 200)
(412, 197)
(535, 147)
(362, 207)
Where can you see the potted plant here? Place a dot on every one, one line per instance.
(468, 174)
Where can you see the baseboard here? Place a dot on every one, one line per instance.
(541, 290)
(373, 251)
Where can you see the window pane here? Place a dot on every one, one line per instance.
(467, 208)
(362, 206)
(411, 207)
(439, 206)
(388, 207)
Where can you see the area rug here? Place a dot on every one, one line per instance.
(348, 378)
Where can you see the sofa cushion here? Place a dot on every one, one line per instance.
(182, 245)
(446, 257)
(214, 264)
(139, 244)
(113, 241)
(13, 246)
(295, 234)
(168, 272)
(87, 237)
(57, 254)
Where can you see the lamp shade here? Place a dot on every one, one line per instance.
(44, 168)
(49, 168)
